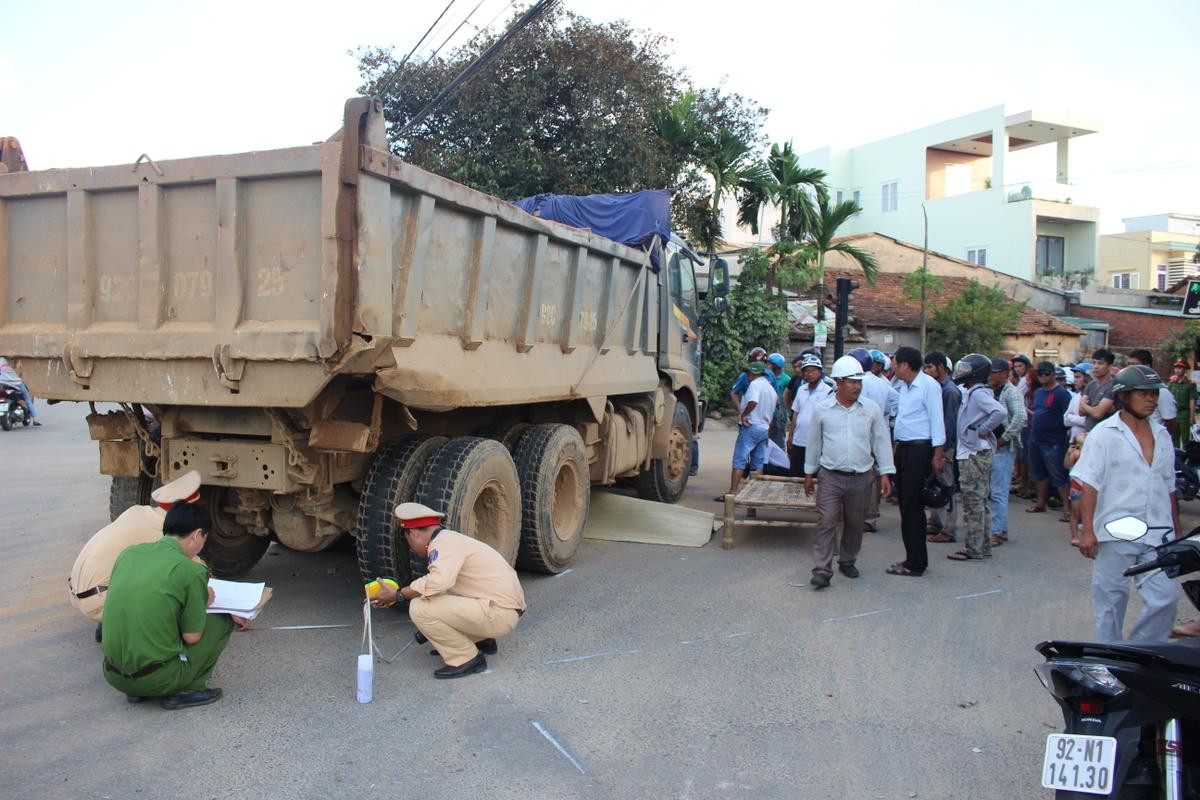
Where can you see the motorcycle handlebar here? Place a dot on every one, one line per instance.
(1138, 569)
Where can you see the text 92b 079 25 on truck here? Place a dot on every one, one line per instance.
(326, 331)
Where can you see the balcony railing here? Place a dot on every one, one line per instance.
(1042, 190)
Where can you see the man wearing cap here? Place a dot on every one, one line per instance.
(848, 445)
(88, 581)
(754, 424)
(159, 639)
(1167, 414)
(1008, 440)
(781, 380)
(1183, 389)
(811, 391)
(469, 597)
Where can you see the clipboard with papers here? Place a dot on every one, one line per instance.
(244, 600)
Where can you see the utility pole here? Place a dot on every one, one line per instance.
(924, 275)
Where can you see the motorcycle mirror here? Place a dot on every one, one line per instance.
(1127, 529)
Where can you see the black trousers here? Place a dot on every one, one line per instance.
(914, 462)
(796, 458)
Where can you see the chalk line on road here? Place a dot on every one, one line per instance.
(857, 616)
(564, 572)
(978, 594)
(716, 638)
(542, 730)
(593, 655)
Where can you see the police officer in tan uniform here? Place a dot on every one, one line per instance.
(469, 598)
(136, 525)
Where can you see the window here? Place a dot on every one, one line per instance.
(889, 196)
(856, 196)
(978, 255)
(683, 285)
(1161, 278)
(1050, 255)
(1126, 280)
(840, 197)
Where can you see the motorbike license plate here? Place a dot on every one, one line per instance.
(1079, 763)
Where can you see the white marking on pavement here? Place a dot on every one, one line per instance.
(857, 616)
(715, 638)
(593, 655)
(509, 698)
(564, 572)
(978, 594)
(558, 746)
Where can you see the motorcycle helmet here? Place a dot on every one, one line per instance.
(1138, 376)
(756, 354)
(973, 368)
(847, 367)
(777, 359)
(863, 356)
(999, 365)
(811, 361)
(935, 494)
(878, 357)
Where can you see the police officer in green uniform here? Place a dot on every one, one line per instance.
(159, 639)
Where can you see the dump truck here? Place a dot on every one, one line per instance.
(326, 331)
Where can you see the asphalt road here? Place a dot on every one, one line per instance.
(644, 672)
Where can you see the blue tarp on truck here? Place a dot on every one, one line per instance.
(631, 219)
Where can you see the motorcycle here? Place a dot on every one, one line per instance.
(12, 407)
(1187, 471)
(1128, 707)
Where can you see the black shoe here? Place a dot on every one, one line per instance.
(820, 580)
(420, 637)
(133, 698)
(189, 699)
(99, 625)
(476, 664)
(487, 646)
(849, 570)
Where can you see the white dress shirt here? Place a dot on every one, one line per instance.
(806, 399)
(853, 439)
(920, 411)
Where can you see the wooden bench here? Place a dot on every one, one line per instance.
(766, 491)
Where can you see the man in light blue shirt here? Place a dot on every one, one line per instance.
(920, 439)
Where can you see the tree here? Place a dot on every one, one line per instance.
(755, 317)
(781, 181)
(1184, 341)
(820, 235)
(918, 286)
(974, 321)
(569, 106)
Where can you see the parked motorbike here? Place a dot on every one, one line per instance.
(1128, 707)
(1187, 471)
(12, 407)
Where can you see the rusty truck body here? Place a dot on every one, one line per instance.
(325, 331)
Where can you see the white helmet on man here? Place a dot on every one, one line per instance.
(811, 360)
(847, 367)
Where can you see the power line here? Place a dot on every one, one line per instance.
(395, 73)
(478, 64)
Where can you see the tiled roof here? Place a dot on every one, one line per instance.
(883, 305)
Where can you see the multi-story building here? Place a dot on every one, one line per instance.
(955, 172)
(1154, 252)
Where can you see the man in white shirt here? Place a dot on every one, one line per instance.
(920, 439)
(848, 445)
(1167, 413)
(812, 390)
(754, 425)
(1127, 469)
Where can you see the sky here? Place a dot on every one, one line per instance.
(87, 84)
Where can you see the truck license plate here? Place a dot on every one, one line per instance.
(1079, 763)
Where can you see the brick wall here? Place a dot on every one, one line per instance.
(1131, 330)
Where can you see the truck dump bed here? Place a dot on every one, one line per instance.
(254, 279)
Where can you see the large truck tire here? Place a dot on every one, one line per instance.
(125, 493)
(666, 478)
(473, 481)
(392, 479)
(552, 465)
(230, 550)
(507, 435)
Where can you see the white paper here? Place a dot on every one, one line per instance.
(234, 597)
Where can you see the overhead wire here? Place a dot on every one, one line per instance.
(395, 73)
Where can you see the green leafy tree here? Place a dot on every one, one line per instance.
(822, 230)
(755, 317)
(570, 106)
(974, 321)
(919, 286)
(780, 181)
(1184, 341)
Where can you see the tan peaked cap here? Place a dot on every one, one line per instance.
(417, 515)
(182, 488)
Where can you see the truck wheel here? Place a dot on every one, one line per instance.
(507, 435)
(474, 481)
(230, 550)
(555, 491)
(667, 477)
(391, 480)
(125, 493)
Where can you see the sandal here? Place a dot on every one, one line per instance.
(997, 541)
(940, 538)
(963, 555)
(899, 569)
(1036, 510)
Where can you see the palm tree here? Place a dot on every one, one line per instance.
(723, 157)
(821, 233)
(781, 181)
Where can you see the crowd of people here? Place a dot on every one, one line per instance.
(951, 443)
